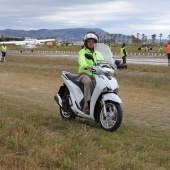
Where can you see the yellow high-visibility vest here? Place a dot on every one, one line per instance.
(4, 49)
(122, 51)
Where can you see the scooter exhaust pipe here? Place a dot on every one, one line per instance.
(58, 99)
(60, 102)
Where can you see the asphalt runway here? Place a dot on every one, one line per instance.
(133, 59)
(155, 61)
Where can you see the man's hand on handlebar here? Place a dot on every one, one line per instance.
(88, 68)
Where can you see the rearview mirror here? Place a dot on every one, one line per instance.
(89, 56)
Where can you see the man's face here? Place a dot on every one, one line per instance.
(90, 43)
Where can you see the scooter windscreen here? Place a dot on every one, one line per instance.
(105, 51)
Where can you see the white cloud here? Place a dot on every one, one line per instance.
(114, 16)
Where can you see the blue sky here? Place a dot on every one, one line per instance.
(127, 17)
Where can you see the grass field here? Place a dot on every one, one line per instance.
(33, 135)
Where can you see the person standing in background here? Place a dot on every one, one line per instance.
(168, 53)
(123, 55)
(160, 48)
(3, 51)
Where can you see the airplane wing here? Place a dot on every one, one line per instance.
(44, 40)
(30, 41)
(12, 42)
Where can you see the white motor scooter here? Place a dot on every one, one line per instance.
(104, 105)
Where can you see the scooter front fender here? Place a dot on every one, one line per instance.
(112, 96)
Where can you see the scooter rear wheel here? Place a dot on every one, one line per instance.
(113, 117)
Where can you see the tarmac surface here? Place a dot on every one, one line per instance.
(151, 58)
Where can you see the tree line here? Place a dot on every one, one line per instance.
(120, 38)
(3, 38)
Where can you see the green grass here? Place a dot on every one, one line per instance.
(33, 135)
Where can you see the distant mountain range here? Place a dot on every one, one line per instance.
(70, 34)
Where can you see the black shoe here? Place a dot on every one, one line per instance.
(86, 111)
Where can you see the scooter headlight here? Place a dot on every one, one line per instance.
(116, 90)
(105, 89)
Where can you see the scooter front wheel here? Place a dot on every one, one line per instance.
(66, 115)
(112, 119)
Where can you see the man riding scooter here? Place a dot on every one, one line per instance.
(75, 97)
(85, 67)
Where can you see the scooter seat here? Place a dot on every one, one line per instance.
(75, 79)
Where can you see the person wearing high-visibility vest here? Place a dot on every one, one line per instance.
(160, 48)
(168, 53)
(123, 54)
(3, 51)
(85, 67)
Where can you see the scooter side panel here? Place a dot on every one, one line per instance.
(75, 92)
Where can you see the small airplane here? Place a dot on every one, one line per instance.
(28, 42)
(29, 45)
